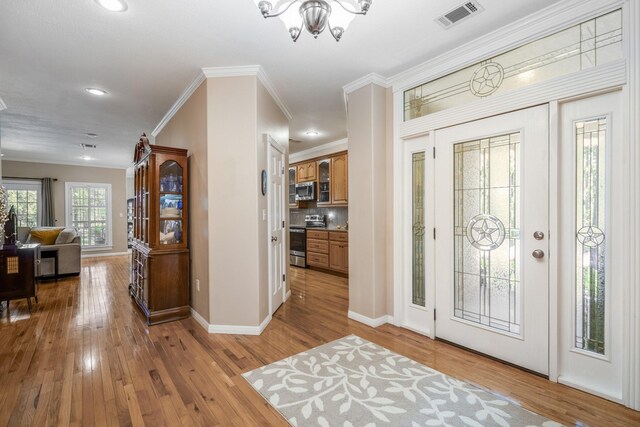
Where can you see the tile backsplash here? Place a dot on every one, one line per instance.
(335, 215)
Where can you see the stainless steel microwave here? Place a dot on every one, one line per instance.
(306, 191)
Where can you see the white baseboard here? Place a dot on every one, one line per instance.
(90, 255)
(374, 323)
(201, 320)
(287, 295)
(229, 329)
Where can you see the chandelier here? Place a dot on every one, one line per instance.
(314, 15)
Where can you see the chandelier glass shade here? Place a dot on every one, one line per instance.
(314, 15)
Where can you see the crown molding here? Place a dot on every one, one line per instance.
(556, 17)
(218, 72)
(182, 99)
(262, 76)
(3, 106)
(250, 70)
(320, 150)
(371, 78)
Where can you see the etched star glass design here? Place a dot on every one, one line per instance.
(590, 236)
(487, 79)
(485, 232)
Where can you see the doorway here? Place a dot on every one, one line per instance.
(524, 262)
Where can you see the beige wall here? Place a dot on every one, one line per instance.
(66, 173)
(234, 271)
(271, 121)
(368, 202)
(188, 129)
(223, 125)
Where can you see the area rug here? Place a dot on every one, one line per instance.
(352, 382)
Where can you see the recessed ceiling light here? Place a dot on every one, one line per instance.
(94, 91)
(113, 5)
(313, 133)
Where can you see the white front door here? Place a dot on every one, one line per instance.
(275, 194)
(592, 230)
(491, 248)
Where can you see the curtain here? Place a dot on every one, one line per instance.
(48, 210)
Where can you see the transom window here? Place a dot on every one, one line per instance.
(589, 44)
(26, 197)
(89, 210)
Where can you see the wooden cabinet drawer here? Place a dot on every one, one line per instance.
(320, 246)
(318, 260)
(338, 236)
(319, 235)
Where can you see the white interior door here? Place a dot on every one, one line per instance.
(416, 297)
(275, 194)
(591, 285)
(492, 227)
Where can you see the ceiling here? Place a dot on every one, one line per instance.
(145, 58)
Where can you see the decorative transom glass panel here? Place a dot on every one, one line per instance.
(418, 242)
(487, 232)
(590, 235)
(582, 46)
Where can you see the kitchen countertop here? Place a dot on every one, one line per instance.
(327, 228)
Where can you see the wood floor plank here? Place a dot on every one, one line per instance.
(84, 356)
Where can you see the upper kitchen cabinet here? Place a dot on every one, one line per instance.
(307, 172)
(324, 182)
(339, 180)
(292, 187)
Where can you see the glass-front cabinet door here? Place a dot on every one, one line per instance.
(171, 203)
(292, 187)
(324, 182)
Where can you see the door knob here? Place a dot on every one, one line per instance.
(538, 254)
(274, 238)
(538, 235)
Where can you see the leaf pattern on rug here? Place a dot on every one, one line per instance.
(353, 382)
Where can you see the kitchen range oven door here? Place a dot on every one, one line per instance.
(298, 242)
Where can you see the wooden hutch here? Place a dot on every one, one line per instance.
(160, 254)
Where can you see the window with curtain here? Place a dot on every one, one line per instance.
(26, 197)
(89, 210)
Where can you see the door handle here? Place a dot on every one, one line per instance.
(274, 238)
(538, 235)
(538, 254)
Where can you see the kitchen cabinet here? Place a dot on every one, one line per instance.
(339, 180)
(339, 251)
(307, 172)
(324, 182)
(328, 250)
(292, 187)
(332, 177)
(160, 251)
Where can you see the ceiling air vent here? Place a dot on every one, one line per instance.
(85, 146)
(459, 14)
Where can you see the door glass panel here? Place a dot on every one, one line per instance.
(487, 268)
(418, 242)
(590, 235)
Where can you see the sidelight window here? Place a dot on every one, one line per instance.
(590, 243)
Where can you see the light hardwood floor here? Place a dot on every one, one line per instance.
(85, 357)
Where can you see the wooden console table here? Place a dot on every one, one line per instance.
(18, 272)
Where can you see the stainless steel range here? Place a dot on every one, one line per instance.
(298, 246)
